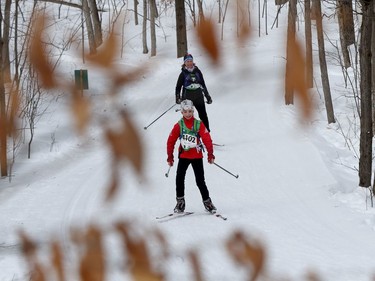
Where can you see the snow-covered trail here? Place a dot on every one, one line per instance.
(282, 196)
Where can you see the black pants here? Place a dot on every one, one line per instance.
(197, 97)
(197, 165)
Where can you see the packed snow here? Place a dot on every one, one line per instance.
(297, 192)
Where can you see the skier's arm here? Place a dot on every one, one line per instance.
(179, 84)
(173, 136)
(204, 87)
(206, 139)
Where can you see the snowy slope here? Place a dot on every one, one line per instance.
(290, 194)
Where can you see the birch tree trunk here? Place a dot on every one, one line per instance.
(323, 64)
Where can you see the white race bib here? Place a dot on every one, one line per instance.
(188, 141)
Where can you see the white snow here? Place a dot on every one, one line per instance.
(297, 191)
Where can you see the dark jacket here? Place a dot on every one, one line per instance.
(183, 78)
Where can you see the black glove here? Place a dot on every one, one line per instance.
(178, 99)
(209, 99)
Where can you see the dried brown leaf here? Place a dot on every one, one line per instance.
(139, 259)
(38, 58)
(92, 263)
(312, 276)
(105, 55)
(28, 246)
(163, 242)
(29, 249)
(114, 185)
(244, 31)
(126, 144)
(81, 109)
(15, 102)
(208, 39)
(38, 273)
(57, 261)
(120, 79)
(296, 77)
(246, 253)
(196, 266)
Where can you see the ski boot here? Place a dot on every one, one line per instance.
(180, 206)
(209, 206)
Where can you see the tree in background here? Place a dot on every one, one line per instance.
(365, 160)
(308, 44)
(181, 28)
(323, 63)
(291, 37)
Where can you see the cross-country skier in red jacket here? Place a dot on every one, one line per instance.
(192, 134)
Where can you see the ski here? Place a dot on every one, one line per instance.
(172, 216)
(218, 216)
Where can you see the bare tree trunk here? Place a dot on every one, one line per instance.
(144, 27)
(96, 22)
(373, 71)
(292, 14)
(6, 32)
(220, 11)
(3, 122)
(323, 64)
(346, 28)
(181, 28)
(365, 147)
(16, 58)
(200, 10)
(153, 13)
(89, 27)
(224, 15)
(136, 12)
(308, 42)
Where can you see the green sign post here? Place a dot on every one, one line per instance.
(81, 79)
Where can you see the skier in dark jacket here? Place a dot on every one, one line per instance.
(193, 87)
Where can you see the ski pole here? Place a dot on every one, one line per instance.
(167, 173)
(236, 176)
(159, 117)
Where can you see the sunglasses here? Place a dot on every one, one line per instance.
(187, 111)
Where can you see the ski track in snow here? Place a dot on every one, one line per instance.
(283, 196)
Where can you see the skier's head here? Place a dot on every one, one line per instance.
(187, 109)
(188, 57)
(188, 61)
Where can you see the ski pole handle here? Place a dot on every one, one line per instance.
(167, 173)
(236, 176)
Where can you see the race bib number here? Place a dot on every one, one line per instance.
(188, 141)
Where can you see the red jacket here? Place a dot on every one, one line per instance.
(191, 153)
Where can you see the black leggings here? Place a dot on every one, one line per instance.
(196, 96)
(197, 165)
